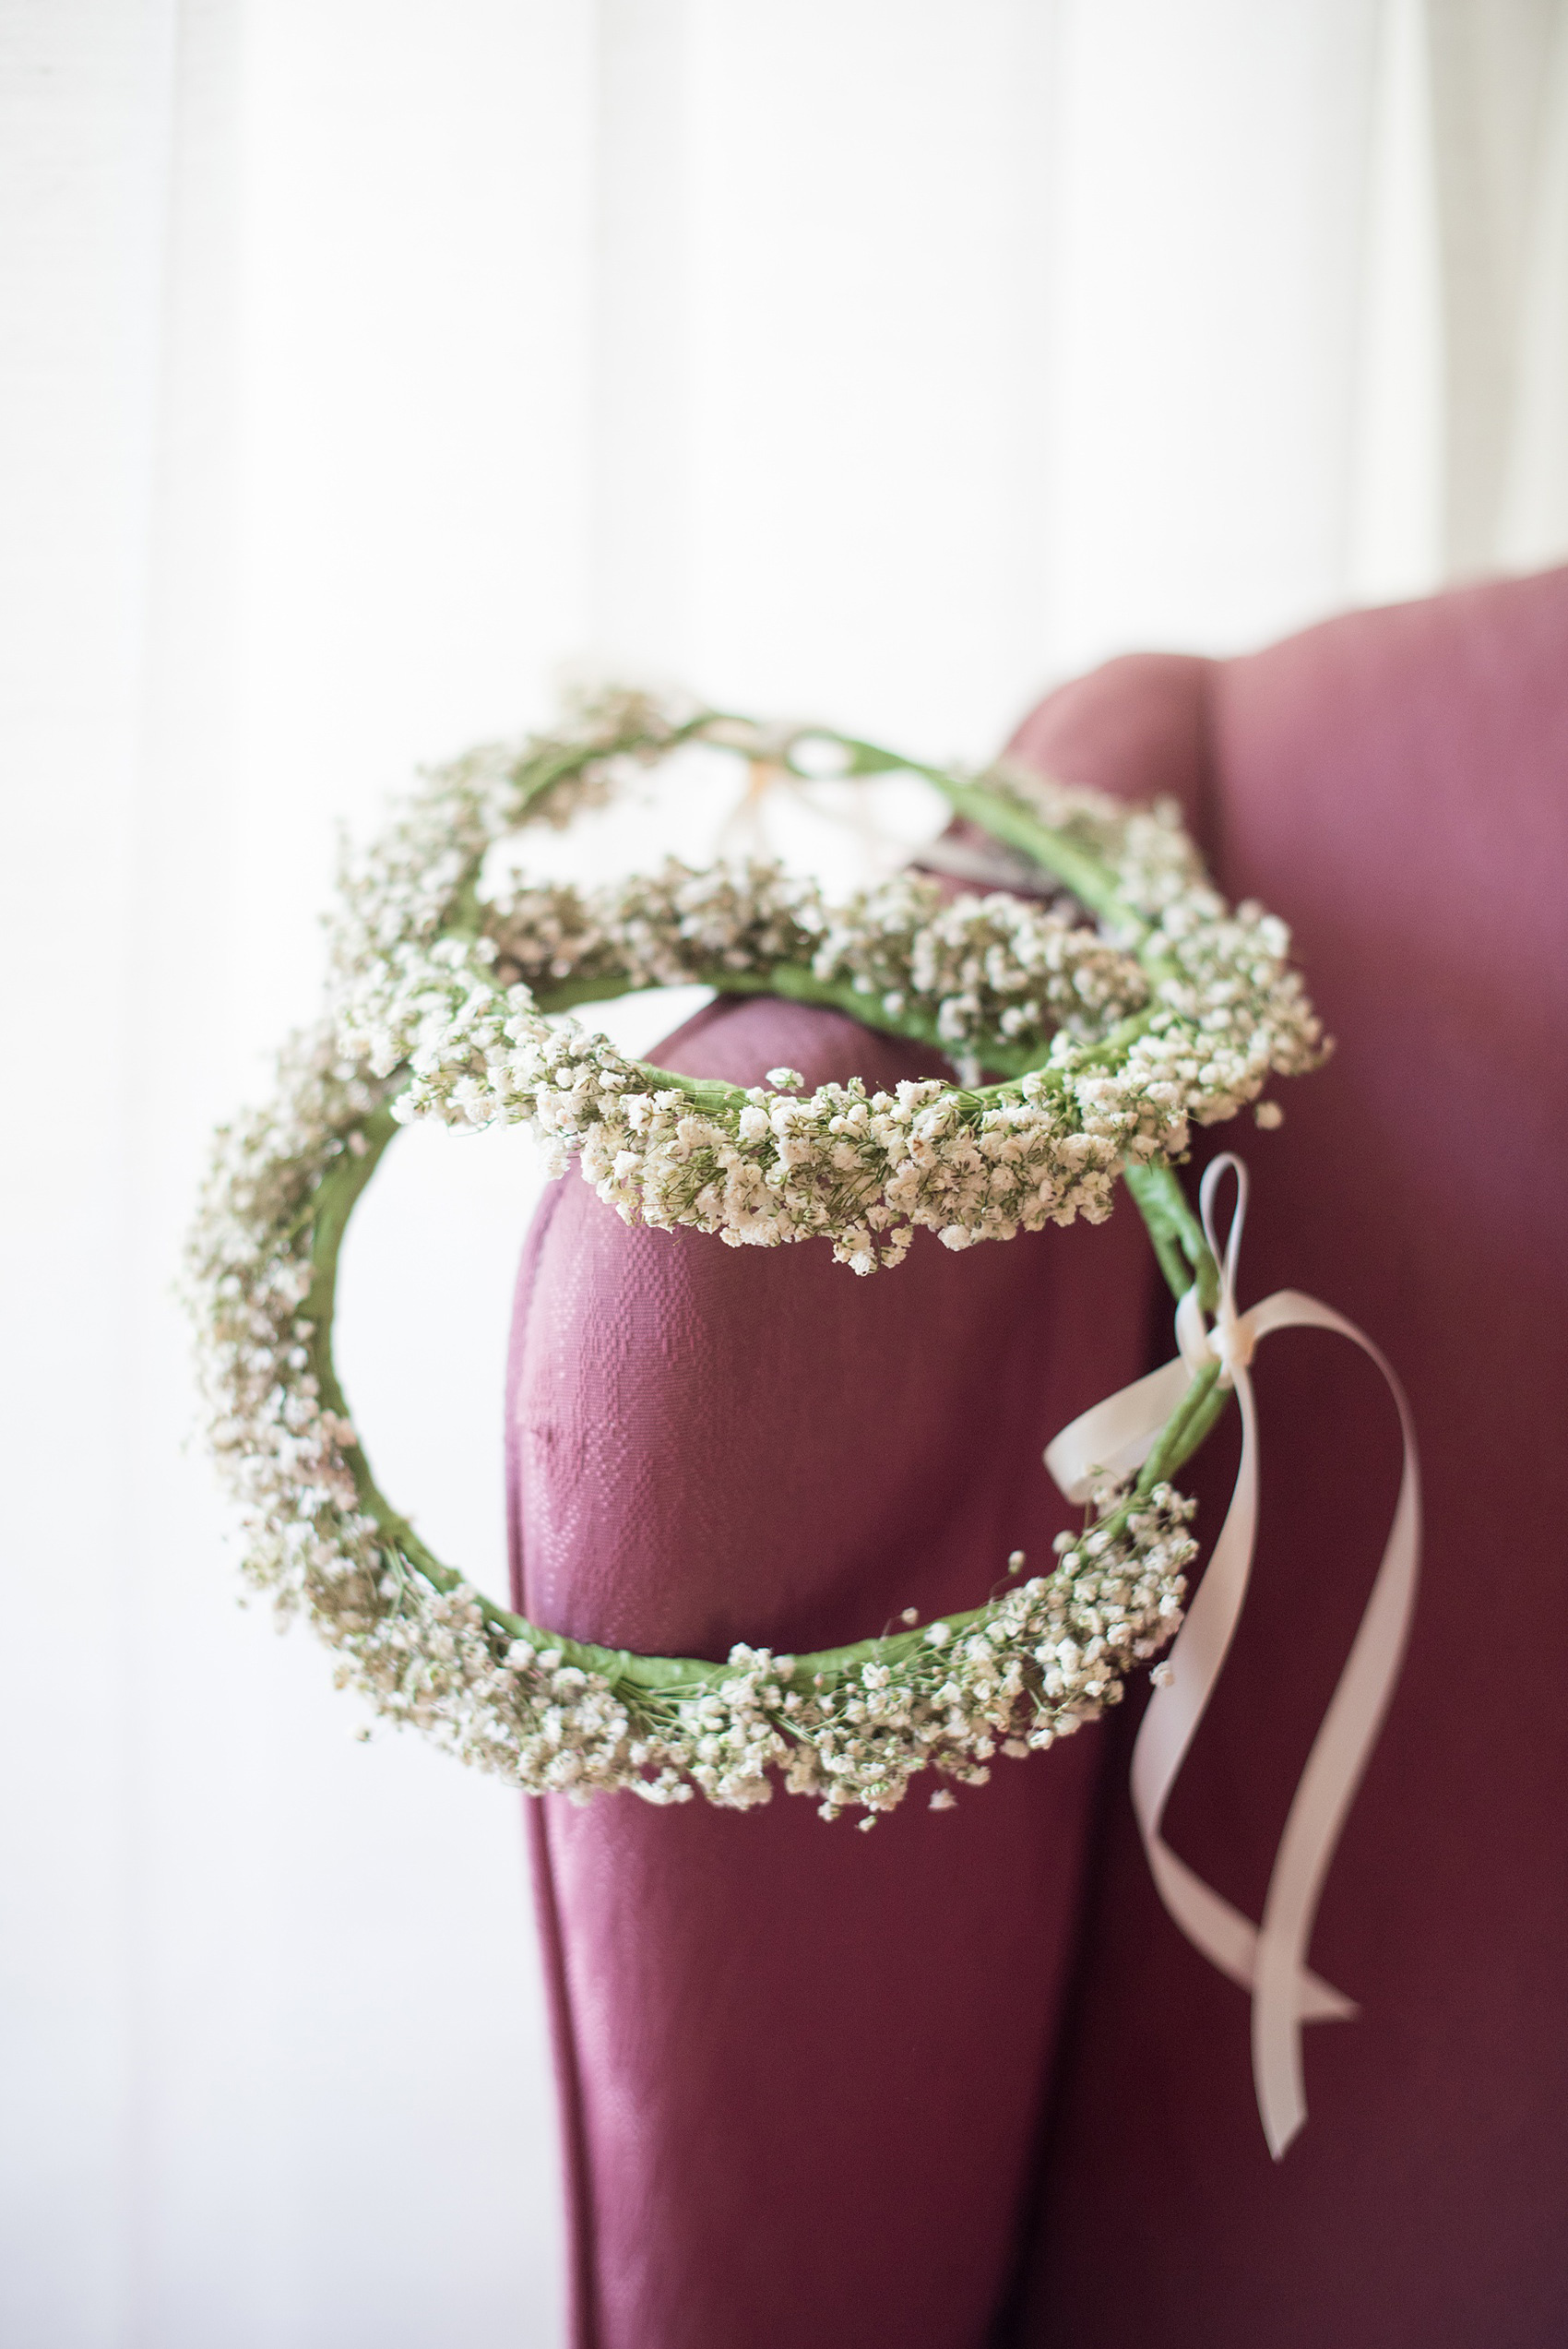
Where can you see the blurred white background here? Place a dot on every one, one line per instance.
(363, 360)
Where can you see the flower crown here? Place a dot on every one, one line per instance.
(1119, 1005)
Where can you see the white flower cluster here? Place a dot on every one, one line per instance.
(1174, 1010)
(850, 1727)
(1178, 1010)
(1012, 1678)
(407, 884)
(657, 931)
(968, 973)
(757, 1167)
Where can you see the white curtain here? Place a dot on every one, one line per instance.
(365, 361)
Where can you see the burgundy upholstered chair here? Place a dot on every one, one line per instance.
(960, 2081)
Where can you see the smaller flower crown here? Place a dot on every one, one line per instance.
(1126, 1005)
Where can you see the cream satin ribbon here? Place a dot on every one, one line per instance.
(1119, 1433)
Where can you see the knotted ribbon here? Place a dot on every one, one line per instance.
(1269, 1959)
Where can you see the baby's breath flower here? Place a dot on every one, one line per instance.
(1173, 1009)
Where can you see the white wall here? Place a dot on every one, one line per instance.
(362, 360)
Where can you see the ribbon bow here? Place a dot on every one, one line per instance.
(1269, 1959)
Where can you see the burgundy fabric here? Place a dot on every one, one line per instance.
(802, 2067)
(805, 2071)
(1396, 783)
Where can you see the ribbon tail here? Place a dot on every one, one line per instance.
(1268, 1960)
(1228, 1940)
(1335, 1767)
(1210, 1922)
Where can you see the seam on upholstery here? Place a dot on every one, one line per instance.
(1019, 2290)
(522, 1301)
(582, 2318)
(1117, 1735)
(581, 2232)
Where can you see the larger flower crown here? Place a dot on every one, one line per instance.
(1113, 1012)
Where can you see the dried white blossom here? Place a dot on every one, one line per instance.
(1173, 1009)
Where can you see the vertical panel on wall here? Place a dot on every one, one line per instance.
(372, 548)
(641, 452)
(1395, 495)
(1208, 219)
(868, 300)
(1495, 142)
(83, 116)
(1533, 528)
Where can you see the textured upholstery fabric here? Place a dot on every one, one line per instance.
(959, 2081)
(790, 2118)
(1396, 784)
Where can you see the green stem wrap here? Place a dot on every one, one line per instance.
(1176, 1234)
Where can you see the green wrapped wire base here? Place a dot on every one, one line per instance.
(447, 1002)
